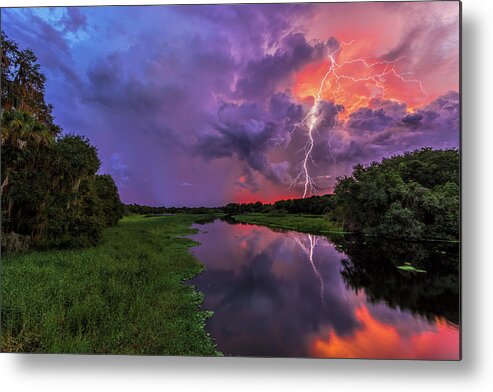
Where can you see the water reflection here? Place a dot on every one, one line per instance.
(371, 265)
(289, 294)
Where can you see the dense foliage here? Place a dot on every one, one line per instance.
(413, 196)
(51, 195)
(132, 209)
(317, 205)
(111, 205)
(23, 85)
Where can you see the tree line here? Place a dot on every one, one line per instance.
(138, 209)
(414, 196)
(51, 193)
(316, 205)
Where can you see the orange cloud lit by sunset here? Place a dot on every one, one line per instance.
(402, 34)
(355, 81)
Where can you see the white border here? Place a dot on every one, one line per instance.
(114, 373)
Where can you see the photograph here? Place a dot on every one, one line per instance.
(237, 180)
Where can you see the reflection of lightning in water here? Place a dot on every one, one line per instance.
(308, 250)
(312, 117)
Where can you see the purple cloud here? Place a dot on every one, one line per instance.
(261, 77)
(74, 20)
(247, 132)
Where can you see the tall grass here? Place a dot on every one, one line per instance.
(305, 223)
(124, 296)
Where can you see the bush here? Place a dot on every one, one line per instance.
(415, 195)
(112, 207)
(400, 222)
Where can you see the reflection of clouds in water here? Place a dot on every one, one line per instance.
(378, 339)
(265, 298)
(275, 294)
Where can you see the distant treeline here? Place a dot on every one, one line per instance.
(131, 209)
(51, 194)
(316, 205)
(311, 205)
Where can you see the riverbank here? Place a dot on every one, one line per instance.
(125, 296)
(314, 224)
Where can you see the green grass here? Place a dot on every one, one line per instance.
(125, 296)
(314, 224)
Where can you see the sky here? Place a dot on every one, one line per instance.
(209, 104)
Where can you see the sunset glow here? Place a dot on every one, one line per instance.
(356, 82)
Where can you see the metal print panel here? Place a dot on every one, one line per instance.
(271, 180)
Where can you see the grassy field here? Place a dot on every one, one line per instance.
(306, 223)
(124, 296)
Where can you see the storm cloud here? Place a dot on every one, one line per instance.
(218, 95)
(262, 77)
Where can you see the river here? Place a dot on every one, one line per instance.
(289, 294)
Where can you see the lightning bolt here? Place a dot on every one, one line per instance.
(310, 121)
(308, 250)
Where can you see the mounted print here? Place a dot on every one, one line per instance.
(261, 180)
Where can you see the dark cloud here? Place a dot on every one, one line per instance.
(326, 113)
(246, 132)
(412, 118)
(261, 77)
(105, 73)
(251, 28)
(392, 108)
(74, 20)
(373, 133)
(366, 119)
(282, 107)
(50, 46)
(394, 131)
(441, 120)
(332, 45)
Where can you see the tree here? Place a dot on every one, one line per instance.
(26, 145)
(415, 195)
(111, 205)
(23, 84)
(50, 196)
(74, 211)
